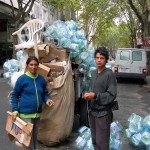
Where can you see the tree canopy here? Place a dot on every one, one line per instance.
(98, 18)
(22, 12)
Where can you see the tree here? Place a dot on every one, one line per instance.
(94, 15)
(142, 10)
(67, 8)
(22, 12)
(114, 36)
(19, 15)
(130, 19)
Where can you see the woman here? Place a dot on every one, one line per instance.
(28, 95)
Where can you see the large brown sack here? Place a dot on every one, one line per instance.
(56, 123)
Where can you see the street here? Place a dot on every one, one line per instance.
(133, 97)
(69, 40)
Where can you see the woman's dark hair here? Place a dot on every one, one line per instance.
(32, 58)
(103, 51)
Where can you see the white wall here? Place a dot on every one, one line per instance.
(43, 14)
(36, 10)
(8, 2)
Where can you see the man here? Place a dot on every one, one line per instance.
(103, 93)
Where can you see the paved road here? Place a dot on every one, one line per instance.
(133, 97)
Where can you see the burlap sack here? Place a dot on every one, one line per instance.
(56, 123)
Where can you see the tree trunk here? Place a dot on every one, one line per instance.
(147, 29)
(15, 41)
(147, 34)
(144, 20)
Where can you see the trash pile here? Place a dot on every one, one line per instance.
(62, 35)
(63, 41)
(55, 67)
(138, 131)
(69, 36)
(115, 137)
(84, 140)
(53, 62)
(12, 69)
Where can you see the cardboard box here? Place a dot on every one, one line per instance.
(67, 49)
(54, 54)
(19, 130)
(43, 50)
(58, 66)
(49, 52)
(43, 70)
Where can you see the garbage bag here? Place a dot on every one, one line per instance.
(56, 123)
(72, 25)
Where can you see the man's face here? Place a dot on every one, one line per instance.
(100, 60)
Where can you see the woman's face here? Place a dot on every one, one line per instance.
(32, 66)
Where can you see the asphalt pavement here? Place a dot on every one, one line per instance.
(133, 97)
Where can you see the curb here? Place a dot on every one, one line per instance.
(1, 75)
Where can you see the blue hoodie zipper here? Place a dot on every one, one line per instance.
(36, 95)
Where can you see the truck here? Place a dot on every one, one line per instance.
(131, 63)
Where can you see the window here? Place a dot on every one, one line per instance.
(137, 56)
(125, 55)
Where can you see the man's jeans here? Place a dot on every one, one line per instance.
(100, 131)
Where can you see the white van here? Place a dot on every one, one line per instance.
(130, 63)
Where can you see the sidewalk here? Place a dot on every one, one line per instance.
(147, 84)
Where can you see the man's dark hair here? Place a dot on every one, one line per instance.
(32, 58)
(103, 51)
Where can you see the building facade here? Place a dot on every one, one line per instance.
(43, 11)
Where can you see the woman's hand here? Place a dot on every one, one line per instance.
(50, 103)
(14, 116)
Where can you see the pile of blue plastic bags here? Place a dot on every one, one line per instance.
(70, 36)
(84, 140)
(138, 131)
